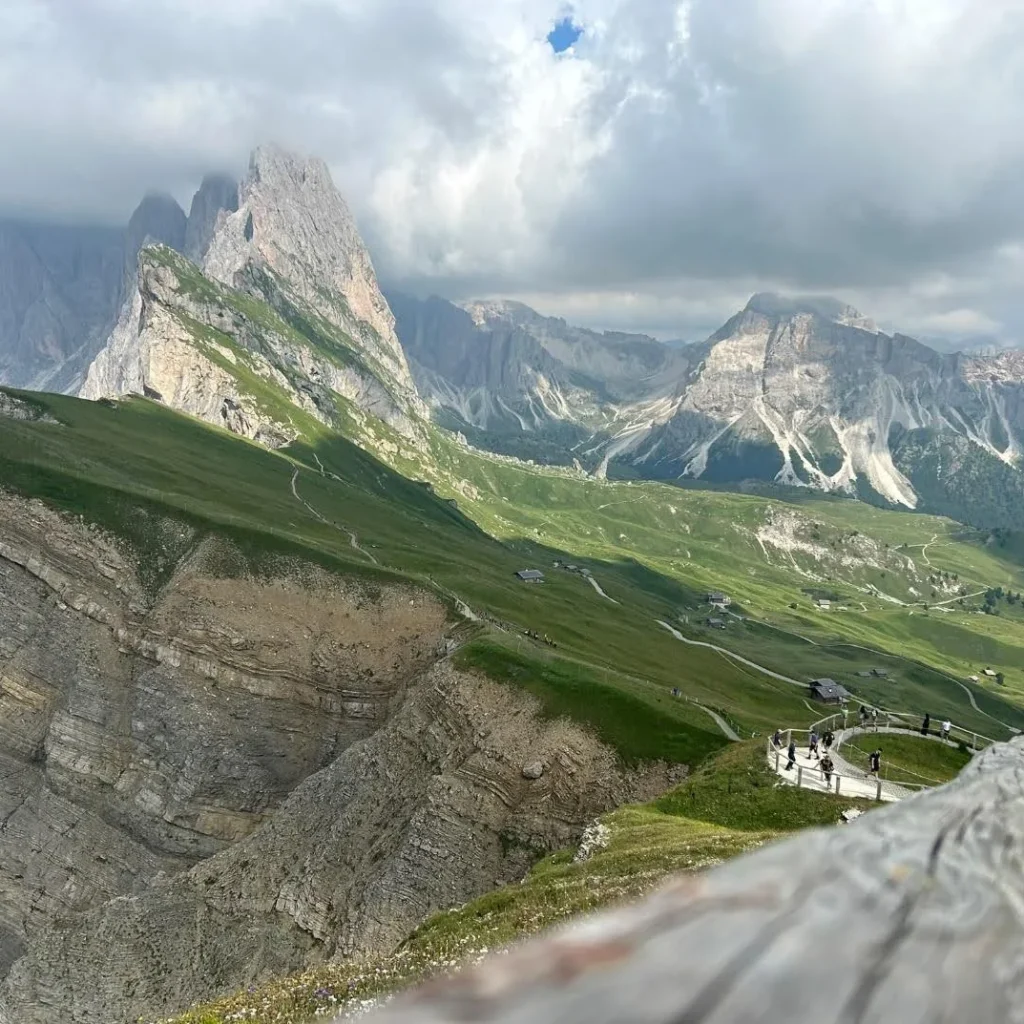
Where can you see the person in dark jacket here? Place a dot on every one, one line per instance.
(827, 768)
(828, 739)
(792, 754)
(875, 761)
(924, 725)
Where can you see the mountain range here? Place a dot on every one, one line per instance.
(260, 311)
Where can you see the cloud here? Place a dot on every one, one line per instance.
(678, 155)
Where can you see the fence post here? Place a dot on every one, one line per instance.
(777, 756)
(878, 790)
(838, 777)
(799, 775)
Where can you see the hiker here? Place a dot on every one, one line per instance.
(875, 762)
(812, 744)
(792, 754)
(863, 715)
(828, 739)
(827, 768)
(874, 718)
(777, 739)
(925, 724)
(946, 726)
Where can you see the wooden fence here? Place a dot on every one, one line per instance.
(913, 914)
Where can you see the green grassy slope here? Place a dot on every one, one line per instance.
(653, 549)
(773, 557)
(123, 465)
(724, 810)
(908, 758)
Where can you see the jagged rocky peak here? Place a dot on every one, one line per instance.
(292, 219)
(158, 218)
(217, 193)
(488, 311)
(783, 307)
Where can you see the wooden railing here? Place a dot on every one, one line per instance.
(913, 914)
(804, 777)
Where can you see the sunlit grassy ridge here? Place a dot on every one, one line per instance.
(908, 758)
(653, 548)
(729, 807)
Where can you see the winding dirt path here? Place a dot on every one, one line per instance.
(597, 587)
(352, 538)
(722, 723)
(730, 654)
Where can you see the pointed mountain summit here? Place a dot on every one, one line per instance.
(281, 325)
(217, 193)
(292, 219)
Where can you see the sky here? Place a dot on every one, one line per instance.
(628, 164)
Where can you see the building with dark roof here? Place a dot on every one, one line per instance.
(828, 691)
(531, 575)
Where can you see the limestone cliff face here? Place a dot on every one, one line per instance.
(501, 367)
(810, 393)
(216, 195)
(292, 219)
(284, 315)
(219, 776)
(214, 352)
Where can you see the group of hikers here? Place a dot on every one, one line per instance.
(825, 762)
(946, 726)
(825, 739)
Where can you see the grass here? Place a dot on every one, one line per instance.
(697, 826)
(125, 466)
(737, 789)
(908, 758)
(638, 729)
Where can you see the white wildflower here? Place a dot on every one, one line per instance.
(595, 837)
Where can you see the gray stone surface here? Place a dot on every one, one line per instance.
(292, 244)
(215, 195)
(230, 777)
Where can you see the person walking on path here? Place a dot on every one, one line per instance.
(827, 768)
(875, 761)
(946, 726)
(874, 718)
(863, 716)
(925, 724)
(777, 739)
(828, 739)
(792, 754)
(812, 744)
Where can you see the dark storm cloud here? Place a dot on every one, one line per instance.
(679, 155)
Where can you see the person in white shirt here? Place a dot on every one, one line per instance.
(946, 726)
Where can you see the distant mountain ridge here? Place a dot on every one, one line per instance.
(796, 391)
(279, 320)
(260, 311)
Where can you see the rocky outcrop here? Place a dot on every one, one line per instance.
(215, 353)
(60, 288)
(501, 367)
(219, 776)
(215, 195)
(286, 319)
(141, 732)
(292, 220)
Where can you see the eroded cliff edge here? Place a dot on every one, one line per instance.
(229, 773)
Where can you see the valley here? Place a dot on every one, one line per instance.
(292, 662)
